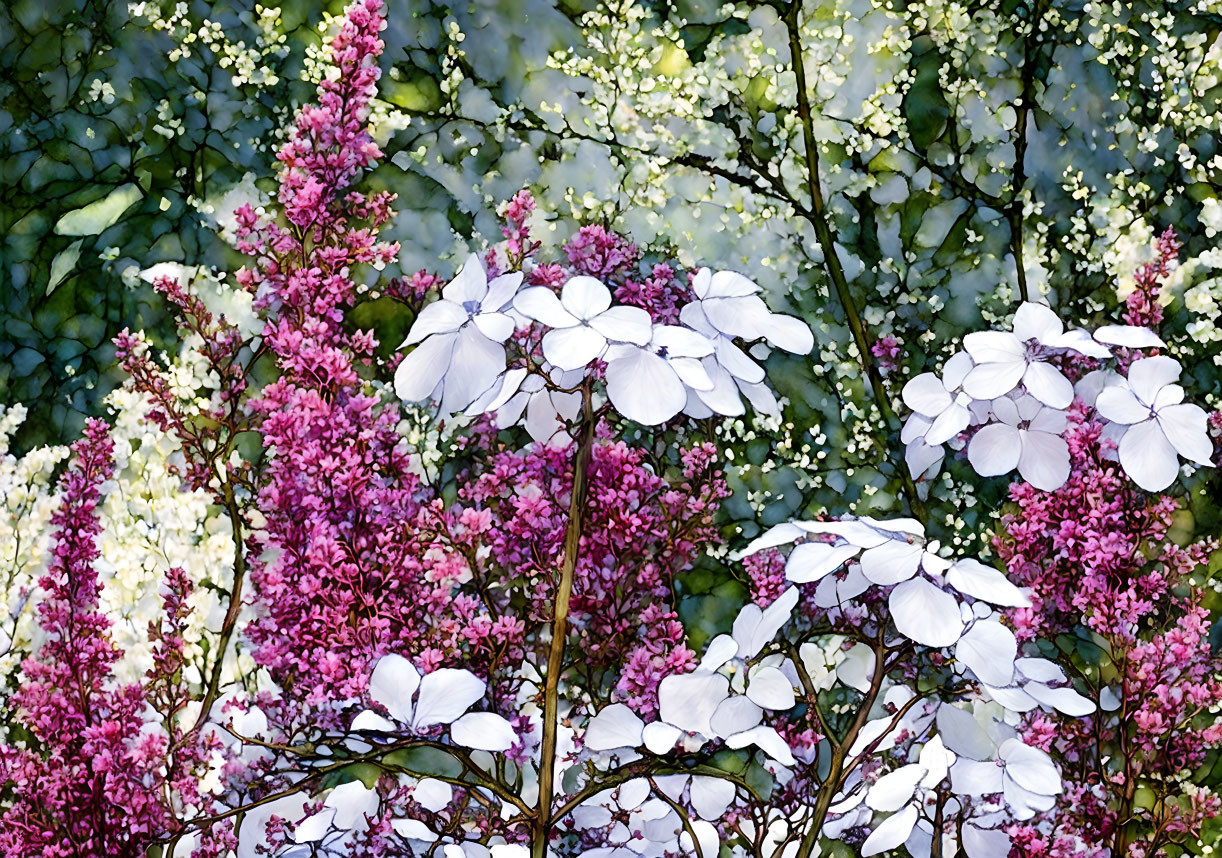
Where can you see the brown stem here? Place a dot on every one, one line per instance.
(235, 605)
(840, 751)
(560, 625)
(817, 217)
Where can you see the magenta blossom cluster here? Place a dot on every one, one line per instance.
(88, 778)
(1106, 570)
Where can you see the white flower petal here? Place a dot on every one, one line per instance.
(711, 796)
(1187, 428)
(982, 843)
(616, 726)
(542, 305)
(890, 833)
(989, 649)
(372, 721)
(1030, 768)
(585, 297)
(994, 449)
(1037, 322)
(948, 424)
(812, 561)
(353, 802)
(925, 394)
(730, 284)
(1129, 336)
(786, 332)
(1064, 700)
(922, 459)
(956, 369)
(624, 325)
(419, 374)
(991, 380)
(1148, 457)
(724, 397)
(975, 579)
(735, 715)
(573, 348)
(439, 317)
(643, 387)
(1149, 375)
(1047, 384)
(969, 777)
(894, 561)
(660, 737)
(1119, 405)
(689, 700)
(767, 740)
(483, 731)
(894, 789)
(497, 327)
(501, 292)
(857, 669)
(445, 694)
(393, 683)
(963, 734)
(470, 284)
(754, 629)
(1044, 460)
(432, 794)
(475, 365)
(692, 373)
(413, 829)
(315, 827)
(681, 342)
(769, 688)
(925, 614)
(994, 347)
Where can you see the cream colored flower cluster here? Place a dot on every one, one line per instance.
(27, 487)
(151, 522)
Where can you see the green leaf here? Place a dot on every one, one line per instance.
(100, 214)
(63, 263)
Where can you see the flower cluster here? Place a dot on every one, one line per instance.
(1012, 391)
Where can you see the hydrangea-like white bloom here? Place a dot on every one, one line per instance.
(440, 697)
(582, 321)
(1159, 426)
(649, 384)
(547, 409)
(939, 404)
(1027, 436)
(699, 706)
(727, 307)
(460, 353)
(1004, 360)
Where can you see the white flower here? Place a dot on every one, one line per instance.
(1159, 425)
(728, 301)
(444, 695)
(940, 406)
(460, 355)
(1005, 360)
(727, 307)
(649, 384)
(348, 808)
(548, 411)
(700, 704)
(1028, 437)
(582, 321)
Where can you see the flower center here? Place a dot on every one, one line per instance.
(472, 307)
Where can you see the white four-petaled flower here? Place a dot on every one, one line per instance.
(460, 353)
(1027, 436)
(1158, 425)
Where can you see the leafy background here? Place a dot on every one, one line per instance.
(966, 153)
